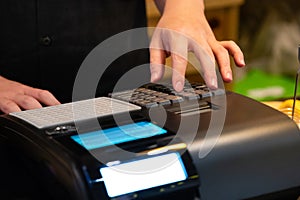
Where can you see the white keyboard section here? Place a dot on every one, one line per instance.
(75, 111)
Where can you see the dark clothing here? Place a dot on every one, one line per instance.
(43, 42)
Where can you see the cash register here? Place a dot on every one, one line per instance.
(152, 143)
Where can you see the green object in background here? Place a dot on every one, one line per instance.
(262, 86)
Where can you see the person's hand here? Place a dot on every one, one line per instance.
(15, 97)
(183, 27)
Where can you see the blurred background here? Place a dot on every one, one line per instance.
(268, 32)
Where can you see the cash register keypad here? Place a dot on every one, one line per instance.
(156, 94)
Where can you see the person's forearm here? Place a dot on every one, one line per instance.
(176, 5)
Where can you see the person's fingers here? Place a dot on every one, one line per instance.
(157, 64)
(222, 50)
(210, 77)
(235, 51)
(178, 71)
(223, 60)
(178, 48)
(157, 56)
(8, 106)
(42, 96)
(26, 102)
(175, 44)
(207, 61)
(15, 96)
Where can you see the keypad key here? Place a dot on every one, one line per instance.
(218, 92)
(162, 101)
(174, 99)
(146, 103)
(188, 95)
(203, 94)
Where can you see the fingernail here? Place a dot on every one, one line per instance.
(178, 86)
(242, 61)
(214, 84)
(229, 76)
(154, 76)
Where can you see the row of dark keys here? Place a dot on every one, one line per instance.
(156, 94)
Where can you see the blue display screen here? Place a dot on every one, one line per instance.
(118, 135)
